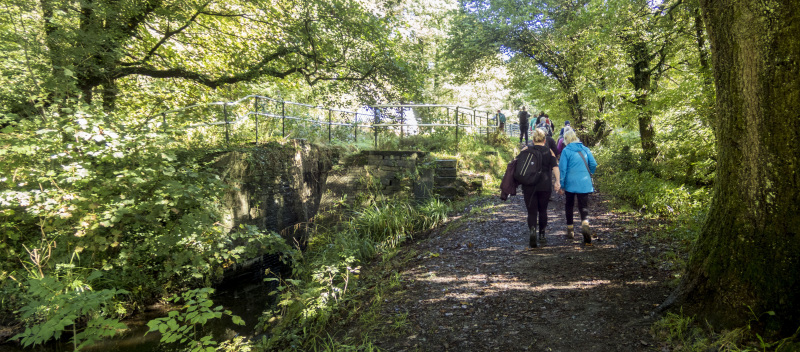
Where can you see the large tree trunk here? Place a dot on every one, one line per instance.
(748, 253)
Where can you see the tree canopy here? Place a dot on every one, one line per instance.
(85, 48)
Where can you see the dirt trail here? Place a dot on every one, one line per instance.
(473, 286)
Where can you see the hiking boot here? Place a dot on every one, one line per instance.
(570, 232)
(586, 231)
(542, 238)
(534, 240)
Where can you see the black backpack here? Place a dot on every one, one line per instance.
(528, 170)
(548, 128)
(523, 118)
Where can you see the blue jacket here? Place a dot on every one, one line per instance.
(574, 177)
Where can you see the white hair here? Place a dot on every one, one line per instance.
(570, 136)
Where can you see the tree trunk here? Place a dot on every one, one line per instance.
(747, 256)
(642, 84)
(702, 53)
(706, 109)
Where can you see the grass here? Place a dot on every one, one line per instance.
(329, 286)
(683, 334)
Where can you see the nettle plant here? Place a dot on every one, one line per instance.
(64, 301)
(184, 326)
(126, 199)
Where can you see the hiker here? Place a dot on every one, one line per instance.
(560, 144)
(546, 124)
(561, 134)
(537, 195)
(539, 118)
(523, 124)
(501, 121)
(551, 143)
(576, 168)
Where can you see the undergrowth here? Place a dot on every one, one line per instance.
(684, 334)
(672, 195)
(327, 277)
(352, 260)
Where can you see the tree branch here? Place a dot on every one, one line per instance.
(169, 34)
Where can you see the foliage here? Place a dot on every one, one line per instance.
(67, 49)
(684, 334)
(83, 189)
(65, 298)
(661, 187)
(652, 194)
(183, 327)
(328, 274)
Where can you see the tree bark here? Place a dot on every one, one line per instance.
(642, 84)
(747, 258)
(706, 109)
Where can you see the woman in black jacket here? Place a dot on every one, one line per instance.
(538, 195)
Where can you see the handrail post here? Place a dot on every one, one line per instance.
(355, 127)
(227, 133)
(446, 119)
(255, 108)
(330, 122)
(456, 118)
(473, 121)
(487, 126)
(283, 119)
(402, 121)
(375, 112)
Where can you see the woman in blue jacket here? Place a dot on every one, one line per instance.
(576, 167)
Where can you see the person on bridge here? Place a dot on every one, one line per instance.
(537, 196)
(501, 121)
(524, 116)
(576, 168)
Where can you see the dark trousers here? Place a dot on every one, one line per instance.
(523, 131)
(583, 205)
(536, 203)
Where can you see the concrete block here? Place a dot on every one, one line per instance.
(448, 172)
(446, 163)
(450, 191)
(444, 181)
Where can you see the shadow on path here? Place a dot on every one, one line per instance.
(475, 287)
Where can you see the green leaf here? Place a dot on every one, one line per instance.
(237, 320)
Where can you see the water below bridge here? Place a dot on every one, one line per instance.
(247, 298)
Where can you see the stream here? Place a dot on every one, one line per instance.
(246, 297)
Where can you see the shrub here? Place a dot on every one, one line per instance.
(122, 199)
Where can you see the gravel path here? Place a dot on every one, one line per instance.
(473, 286)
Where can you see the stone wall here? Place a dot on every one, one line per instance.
(273, 186)
(280, 187)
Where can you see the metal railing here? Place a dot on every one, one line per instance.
(267, 116)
